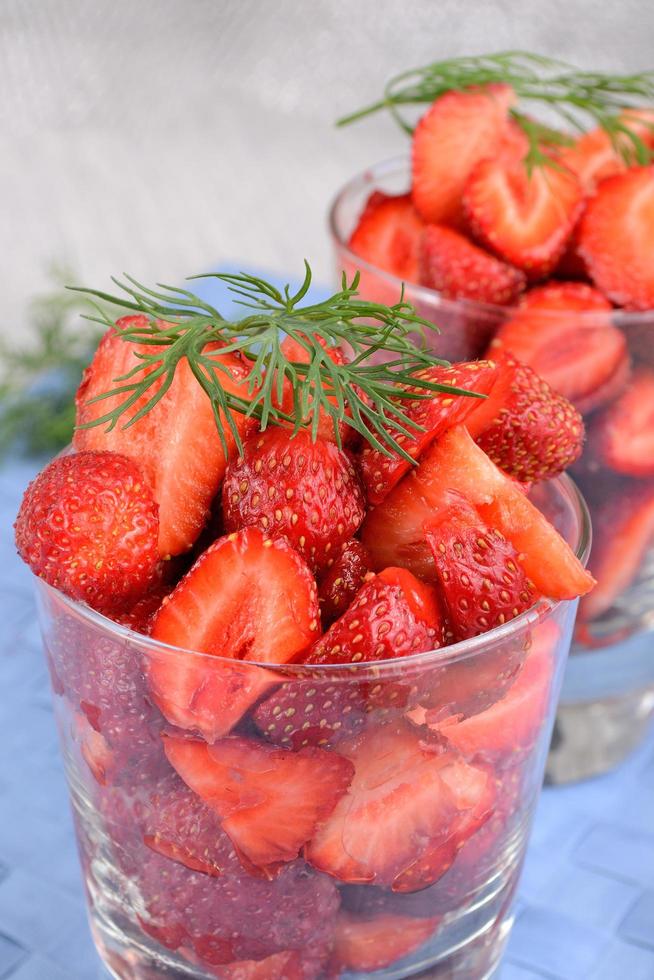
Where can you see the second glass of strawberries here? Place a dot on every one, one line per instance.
(516, 239)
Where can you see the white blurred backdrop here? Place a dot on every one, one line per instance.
(163, 136)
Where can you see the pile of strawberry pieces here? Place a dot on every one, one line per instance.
(238, 802)
(559, 252)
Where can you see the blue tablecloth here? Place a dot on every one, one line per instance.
(586, 902)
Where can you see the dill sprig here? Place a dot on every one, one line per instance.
(579, 98)
(367, 389)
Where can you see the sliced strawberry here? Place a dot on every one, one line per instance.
(622, 436)
(616, 238)
(364, 945)
(481, 581)
(94, 748)
(512, 724)
(88, 525)
(394, 531)
(247, 598)
(291, 487)
(176, 823)
(393, 615)
(176, 443)
(140, 616)
(405, 814)
(459, 130)
(623, 531)
(525, 219)
(434, 414)
(388, 235)
(342, 580)
(234, 917)
(451, 264)
(291, 964)
(314, 712)
(530, 431)
(297, 353)
(269, 800)
(592, 157)
(563, 331)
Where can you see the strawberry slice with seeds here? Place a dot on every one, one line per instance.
(405, 813)
(456, 132)
(512, 724)
(393, 615)
(434, 414)
(616, 239)
(289, 486)
(525, 219)
(363, 944)
(176, 442)
(291, 964)
(269, 800)
(313, 712)
(88, 525)
(592, 157)
(343, 579)
(452, 265)
(529, 430)
(479, 573)
(623, 525)
(394, 531)
(563, 331)
(177, 824)
(622, 436)
(247, 598)
(388, 235)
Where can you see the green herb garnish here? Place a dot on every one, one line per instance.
(578, 98)
(369, 391)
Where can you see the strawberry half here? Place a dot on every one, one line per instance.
(394, 531)
(176, 442)
(623, 531)
(246, 598)
(592, 157)
(480, 578)
(342, 580)
(388, 235)
(289, 486)
(622, 436)
(406, 813)
(529, 430)
(433, 414)
(525, 219)
(563, 331)
(459, 130)
(616, 240)
(457, 269)
(512, 724)
(363, 944)
(393, 615)
(88, 525)
(270, 801)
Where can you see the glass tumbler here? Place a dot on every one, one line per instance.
(421, 778)
(607, 700)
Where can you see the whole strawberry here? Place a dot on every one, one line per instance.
(88, 525)
(291, 487)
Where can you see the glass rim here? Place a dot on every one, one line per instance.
(401, 165)
(454, 652)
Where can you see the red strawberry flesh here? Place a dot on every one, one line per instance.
(458, 269)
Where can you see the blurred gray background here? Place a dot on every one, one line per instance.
(162, 136)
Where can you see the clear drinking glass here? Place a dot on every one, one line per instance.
(607, 700)
(469, 724)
